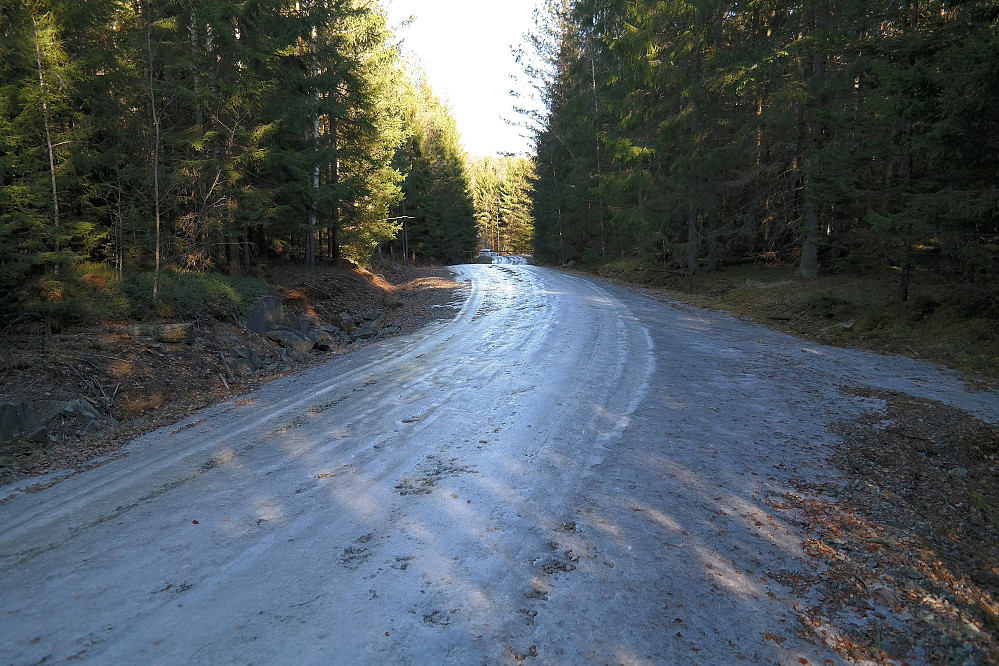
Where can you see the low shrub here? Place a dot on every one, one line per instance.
(89, 293)
(192, 295)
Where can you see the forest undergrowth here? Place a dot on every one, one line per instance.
(952, 323)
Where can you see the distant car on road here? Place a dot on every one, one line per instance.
(486, 252)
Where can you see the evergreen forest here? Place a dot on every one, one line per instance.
(835, 135)
(502, 190)
(157, 145)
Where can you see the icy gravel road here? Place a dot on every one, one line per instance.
(566, 473)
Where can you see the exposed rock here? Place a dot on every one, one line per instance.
(82, 407)
(248, 354)
(299, 356)
(295, 322)
(335, 337)
(292, 357)
(367, 330)
(244, 361)
(266, 314)
(344, 322)
(388, 330)
(291, 339)
(19, 418)
(240, 367)
(29, 419)
(93, 427)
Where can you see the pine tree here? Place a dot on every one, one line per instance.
(501, 193)
(437, 203)
(45, 136)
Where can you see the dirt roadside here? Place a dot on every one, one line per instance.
(143, 383)
(910, 537)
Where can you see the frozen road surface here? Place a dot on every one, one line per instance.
(566, 473)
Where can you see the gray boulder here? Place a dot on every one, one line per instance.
(266, 314)
(291, 358)
(299, 356)
(291, 340)
(248, 354)
(369, 328)
(29, 418)
(244, 361)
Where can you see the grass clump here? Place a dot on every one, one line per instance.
(184, 295)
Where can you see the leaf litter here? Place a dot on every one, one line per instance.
(906, 550)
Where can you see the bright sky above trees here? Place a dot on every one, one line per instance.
(464, 46)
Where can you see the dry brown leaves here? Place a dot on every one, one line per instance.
(906, 552)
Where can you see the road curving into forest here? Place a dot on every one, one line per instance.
(568, 472)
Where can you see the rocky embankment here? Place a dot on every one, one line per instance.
(74, 399)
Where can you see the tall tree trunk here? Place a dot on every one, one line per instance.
(405, 232)
(310, 243)
(234, 255)
(334, 139)
(693, 232)
(810, 224)
(156, 154)
(809, 268)
(693, 238)
(902, 295)
(195, 72)
(247, 258)
(310, 246)
(596, 138)
(713, 236)
(48, 138)
(203, 190)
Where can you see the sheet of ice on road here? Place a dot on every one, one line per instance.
(567, 472)
(513, 260)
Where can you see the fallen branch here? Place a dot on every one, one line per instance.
(228, 369)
